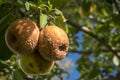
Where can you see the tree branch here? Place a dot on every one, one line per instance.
(90, 51)
(117, 6)
(88, 31)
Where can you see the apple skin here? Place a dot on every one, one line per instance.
(22, 36)
(53, 43)
(33, 64)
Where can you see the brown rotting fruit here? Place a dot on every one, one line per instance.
(22, 36)
(53, 43)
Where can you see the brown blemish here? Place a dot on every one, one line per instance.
(33, 72)
(13, 38)
(40, 69)
(31, 65)
(62, 47)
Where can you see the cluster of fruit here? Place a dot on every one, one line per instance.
(37, 49)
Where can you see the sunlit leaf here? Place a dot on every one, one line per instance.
(43, 20)
(116, 61)
(61, 14)
(27, 6)
(59, 22)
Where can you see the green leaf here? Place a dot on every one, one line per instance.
(17, 75)
(59, 4)
(43, 20)
(3, 65)
(1, 2)
(59, 22)
(61, 14)
(50, 5)
(27, 6)
(116, 19)
(94, 72)
(116, 61)
(4, 10)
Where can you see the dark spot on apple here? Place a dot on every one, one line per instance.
(62, 47)
(31, 65)
(13, 38)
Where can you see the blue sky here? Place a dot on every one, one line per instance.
(73, 73)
